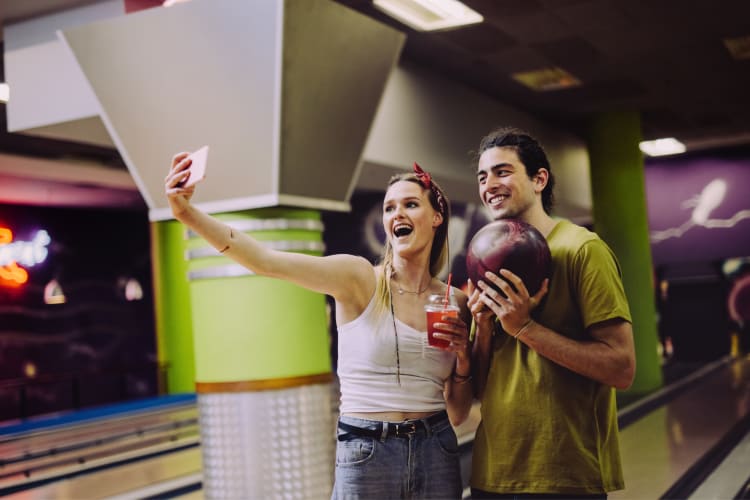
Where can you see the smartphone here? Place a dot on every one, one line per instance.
(198, 168)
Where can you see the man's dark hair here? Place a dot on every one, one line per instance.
(530, 153)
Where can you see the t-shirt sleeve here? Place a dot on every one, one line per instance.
(599, 288)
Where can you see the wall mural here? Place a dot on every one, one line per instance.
(699, 218)
(703, 204)
(698, 208)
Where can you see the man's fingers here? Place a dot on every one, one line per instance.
(537, 298)
(515, 280)
(500, 283)
(490, 302)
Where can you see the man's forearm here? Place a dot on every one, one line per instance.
(608, 358)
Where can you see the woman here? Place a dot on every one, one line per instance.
(399, 396)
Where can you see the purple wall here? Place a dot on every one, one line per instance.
(715, 192)
(699, 216)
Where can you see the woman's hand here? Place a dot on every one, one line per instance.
(459, 392)
(456, 333)
(177, 195)
(514, 309)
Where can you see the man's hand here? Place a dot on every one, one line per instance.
(513, 310)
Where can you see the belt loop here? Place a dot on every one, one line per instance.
(427, 427)
(384, 432)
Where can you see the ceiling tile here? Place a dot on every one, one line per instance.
(590, 15)
(573, 54)
(481, 39)
(518, 59)
(533, 28)
(503, 8)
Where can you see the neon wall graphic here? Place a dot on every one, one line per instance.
(98, 344)
(703, 204)
(15, 254)
(698, 208)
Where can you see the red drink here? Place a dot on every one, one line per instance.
(437, 317)
(436, 309)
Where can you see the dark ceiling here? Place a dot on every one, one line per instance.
(666, 59)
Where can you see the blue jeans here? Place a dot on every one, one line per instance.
(423, 464)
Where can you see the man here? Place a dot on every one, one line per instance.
(547, 365)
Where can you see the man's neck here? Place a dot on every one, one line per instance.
(538, 218)
(544, 224)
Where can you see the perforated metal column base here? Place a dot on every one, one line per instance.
(268, 444)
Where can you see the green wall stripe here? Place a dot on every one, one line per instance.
(174, 325)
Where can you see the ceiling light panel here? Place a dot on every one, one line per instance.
(430, 15)
(546, 79)
(662, 147)
(738, 47)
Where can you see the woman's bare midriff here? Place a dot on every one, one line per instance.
(392, 416)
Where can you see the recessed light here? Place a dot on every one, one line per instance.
(662, 147)
(546, 79)
(738, 47)
(430, 15)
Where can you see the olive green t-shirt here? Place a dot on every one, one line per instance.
(546, 429)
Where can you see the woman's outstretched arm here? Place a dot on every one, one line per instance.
(347, 278)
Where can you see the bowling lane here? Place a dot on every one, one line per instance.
(71, 438)
(60, 448)
(730, 476)
(140, 479)
(659, 448)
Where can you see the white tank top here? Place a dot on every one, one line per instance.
(367, 366)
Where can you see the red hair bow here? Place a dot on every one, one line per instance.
(426, 180)
(423, 176)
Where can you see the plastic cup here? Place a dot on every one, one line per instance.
(436, 308)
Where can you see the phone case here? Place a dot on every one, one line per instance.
(198, 168)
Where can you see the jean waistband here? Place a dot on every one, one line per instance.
(380, 430)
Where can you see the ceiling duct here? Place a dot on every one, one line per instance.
(283, 92)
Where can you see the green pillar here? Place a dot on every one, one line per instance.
(174, 322)
(620, 218)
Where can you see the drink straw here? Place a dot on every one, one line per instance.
(447, 291)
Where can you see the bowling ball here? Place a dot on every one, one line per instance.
(739, 300)
(510, 244)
